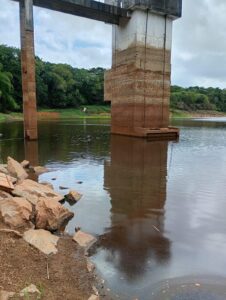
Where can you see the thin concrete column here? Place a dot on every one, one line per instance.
(28, 69)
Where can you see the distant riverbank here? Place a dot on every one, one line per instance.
(196, 114)
(100, 112)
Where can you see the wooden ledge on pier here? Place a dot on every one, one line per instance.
(169, 133)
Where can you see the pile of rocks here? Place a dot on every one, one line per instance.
(35, 208)
(26, 204)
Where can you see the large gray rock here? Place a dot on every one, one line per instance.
(42, 240)
(15, 169)
(32, 191)
(16, 212)
(51, 215)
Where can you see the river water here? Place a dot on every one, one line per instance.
(158, 208)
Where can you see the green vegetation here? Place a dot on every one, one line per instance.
(58, 85)
(6, 92)
(198, 98)
(66, 90)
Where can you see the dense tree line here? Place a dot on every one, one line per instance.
(62, 86)
(58, 85)
(198, 98)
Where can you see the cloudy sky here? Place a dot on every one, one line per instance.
(199, 40)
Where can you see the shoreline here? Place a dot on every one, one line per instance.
(100, 112)
(38, 257)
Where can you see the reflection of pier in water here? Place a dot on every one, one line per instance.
(136, 181)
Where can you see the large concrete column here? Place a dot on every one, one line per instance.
(138, 85)
(28, 69)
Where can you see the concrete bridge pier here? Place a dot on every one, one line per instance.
(28, 69)
(138, 85)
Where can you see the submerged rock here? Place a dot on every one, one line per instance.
(15, 169)
(32, 191)
(72, 197)
(63, 187)
(16, 212)
(84, 239)
(42, 240)
(51, 215)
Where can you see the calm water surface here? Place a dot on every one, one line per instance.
(158, 208)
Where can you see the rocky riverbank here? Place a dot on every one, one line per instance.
(38, 260)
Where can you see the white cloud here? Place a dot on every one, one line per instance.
(59, 37)
(199, 44)
(199, 40)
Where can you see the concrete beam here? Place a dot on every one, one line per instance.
(85, 8)
(28, 69)
(171, 8)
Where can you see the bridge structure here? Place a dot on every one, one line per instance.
(138, 84)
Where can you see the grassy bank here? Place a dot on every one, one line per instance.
(100, 112)
(92, 111)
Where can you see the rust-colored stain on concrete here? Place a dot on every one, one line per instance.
(138, 86)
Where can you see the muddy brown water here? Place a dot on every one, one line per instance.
(158, 208)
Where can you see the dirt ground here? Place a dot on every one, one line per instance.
(22, 265)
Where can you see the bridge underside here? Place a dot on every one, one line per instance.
(84, 8)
